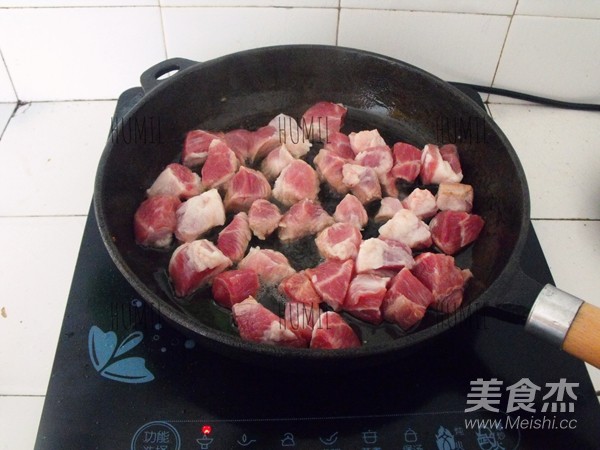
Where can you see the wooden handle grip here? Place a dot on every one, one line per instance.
(583, 337)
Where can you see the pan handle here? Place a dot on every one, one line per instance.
(567, 321)
(152, 77)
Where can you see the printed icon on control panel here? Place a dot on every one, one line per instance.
(486, 439)
(330, 440)
(369, 437)
(288, 440)
(245, 441)
(410, 436)
(445, 440)
(205, 442)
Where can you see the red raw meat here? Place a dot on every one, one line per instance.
(195, 264)
(389, 185)
(408, 228)
(233, 240)
(239, 141)
(220, 165)
(339, 144)
(330, 168)
(291, 134)
(301, 318)
(296, 182)
(303, 219)
(455, 197)
(331, 331)
(383, 256)
(257, 324)
(364, 140)
(155, 221)
(323, 118)
(351, 210)
(449, 153)
(445, 281)
(389, 207)
(362, 181)
(453, 230)
(379, 159)
(407, 162)
(331, 280)
(277, 160)
(422, 203)
(244, 188)
(195, 147)
(436, 169)
(234, 286)
(299, 288)
(406, 300)
(198, 215)
(263, 218)
(270, 265)
(262, 142)
(339, 241)
(365, 295)
(176, 180)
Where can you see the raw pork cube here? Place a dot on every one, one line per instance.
(422, 203)
(455, 197)
(323, 118)
(303, 219)
(379, 159)
(262, 142)
(220, 165)
(155, 221)
(263, 218)
(453, 230)
(406, 300)
(408, 228)
(364, 140)
(244, 188)
(296, 182)
(195, 147)
(383, 256)
(365, 295)
(389, 207)
(435, 167)
(233, 240)
(239, 141)
(195, 264)
(291, 134)
(299, 288)
(301, 318)
(445, 281)
(270, 265)
(351, 210)
(331, 280)
(331, 331)
(339, 144)
(330, 168)
(234, 286)
(407, 162)
(257, 324)
(277, 160)
(449, 154)
(176, 180)
(362, 181)
(198, 215)
(389, 185)
(339, 241)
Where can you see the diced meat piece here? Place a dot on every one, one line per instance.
(296, 182)
(262, 142)
(233, 240)
(406, 227)
(440, 275)
(239, 141)
(195, 147)
(263, 218)
(365, 296)
(277, 160)
(435, 169)
(331, 280)
(383, 256)
(195, 264)
(455, 197)
(407, 162)
(299, 288)
(257, 324)
(176, 180)
(244, 188)
(220, 165)
(323, 118)
(362, 181)
(303, 219)
(198, 215)
(453, 230)
(270, 265)
(389, 185)
(422, 203)
(234, 286)
(331, 331)
(339, 144)
(364, 140)
(406, 300)
(351, 210)
(449, 154)
(330, 168)
(155, 221)
(301, 318)
(379, 159)
(291, 134)
(339, 241)
(389, 207)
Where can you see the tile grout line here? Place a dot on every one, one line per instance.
(41, 216)
(512, 16)
(23, 395)
(337, 25)
(162, 28)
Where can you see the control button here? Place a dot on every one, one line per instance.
(205, 442)
(288, 440)
(157, 434)
(410, 436)
(245, 441)
(369, 437)
(330, 440)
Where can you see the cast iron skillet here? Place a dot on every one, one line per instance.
(247, 89)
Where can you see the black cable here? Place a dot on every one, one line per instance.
(531, 98)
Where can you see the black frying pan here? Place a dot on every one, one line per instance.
(247, 89)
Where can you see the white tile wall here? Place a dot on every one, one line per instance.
(250, 3)
(74, 3)
(557, 8)
(460, 6)
(19, 418)
(7, 93)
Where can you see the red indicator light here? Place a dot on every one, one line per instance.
(206, 429)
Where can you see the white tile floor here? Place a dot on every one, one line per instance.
(46, 178)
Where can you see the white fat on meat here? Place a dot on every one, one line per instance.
(389, 207)
(339, 241)
(436, 170)
(275, 162)
(198, 215)
(362, 181)
(176, 180)
(455, 197)
(351, 210)
(406, 227)
(422, 203)
(364, 140)
(291, 134)
(297, 181)
(382, 255)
